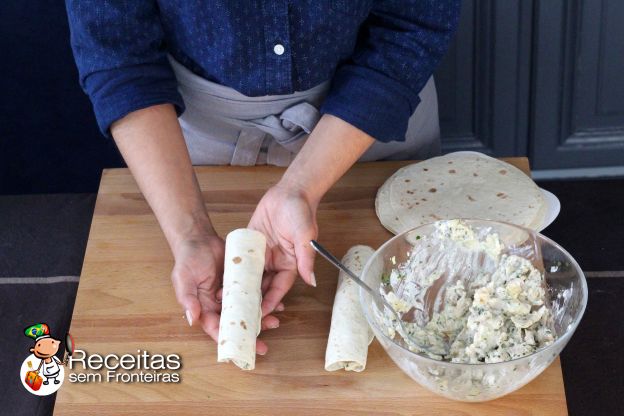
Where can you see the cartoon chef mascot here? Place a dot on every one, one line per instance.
(45, 349)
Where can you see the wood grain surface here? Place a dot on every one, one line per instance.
(125, 302)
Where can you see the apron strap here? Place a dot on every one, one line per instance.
(285, 127)
(247, 147)
(289, 129)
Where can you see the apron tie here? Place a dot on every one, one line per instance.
(290, 128)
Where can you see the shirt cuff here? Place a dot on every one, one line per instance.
(372, 102)
(117, 92)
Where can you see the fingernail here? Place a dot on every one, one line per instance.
(312, 279)
(280, 308)
(261, 353)
(274, 325)
(189, 317)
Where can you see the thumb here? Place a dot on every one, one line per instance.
(304, 254)
(186, 294)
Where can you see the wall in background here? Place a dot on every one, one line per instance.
(49, 140)
(542, 79)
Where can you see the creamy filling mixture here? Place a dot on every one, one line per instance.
(494, 305)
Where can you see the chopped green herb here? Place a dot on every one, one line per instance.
(385, 278)
(417, 237)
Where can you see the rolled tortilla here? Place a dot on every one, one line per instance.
(349, 334)
(240, 307)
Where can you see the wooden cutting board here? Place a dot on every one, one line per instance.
(125, 303)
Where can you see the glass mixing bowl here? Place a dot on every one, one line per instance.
(566, 288)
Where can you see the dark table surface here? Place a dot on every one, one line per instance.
(43, 240)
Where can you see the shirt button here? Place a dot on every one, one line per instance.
(278, 49)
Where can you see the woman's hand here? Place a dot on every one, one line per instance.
(152, 144)
(287, 217)
(287, 212)
(197, 279)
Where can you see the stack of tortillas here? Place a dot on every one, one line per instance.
(459, 185)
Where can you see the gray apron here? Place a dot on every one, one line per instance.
(224, 127)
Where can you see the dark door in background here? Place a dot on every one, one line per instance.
(543, 79)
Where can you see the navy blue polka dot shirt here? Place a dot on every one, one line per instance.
(378, 54)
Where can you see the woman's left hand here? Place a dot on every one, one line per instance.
(287, 212)
(287, 217)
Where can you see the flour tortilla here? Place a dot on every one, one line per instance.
(240, 308)
(459, 185)
(349, 334)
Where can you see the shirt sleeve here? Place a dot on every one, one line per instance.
(119, 50)
(399, 46)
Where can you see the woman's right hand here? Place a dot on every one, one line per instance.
(197, 279)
